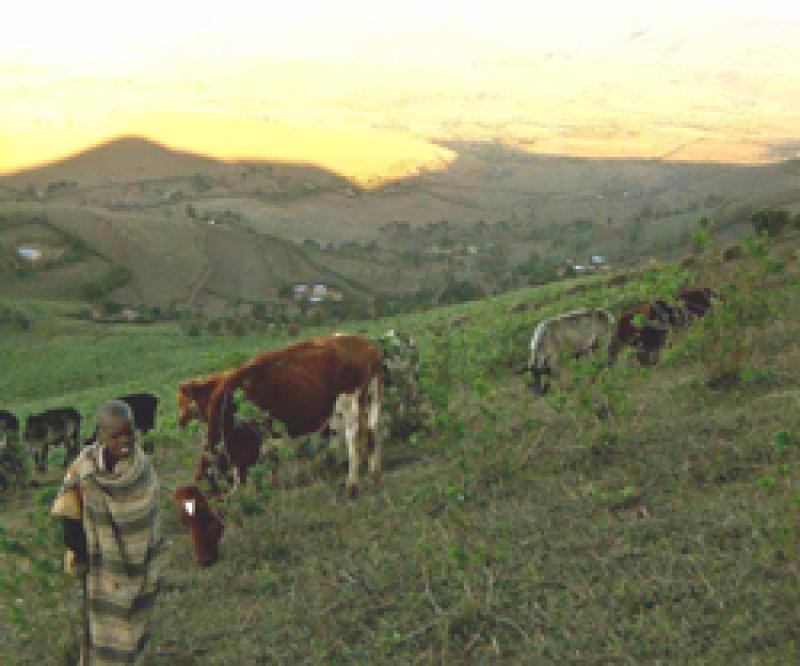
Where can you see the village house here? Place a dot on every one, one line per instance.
(32, 254)
(317, 293)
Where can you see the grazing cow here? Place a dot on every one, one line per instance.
(697, 301)
(659, 317)
(144, 407)
(648, 339)
(51, 428)
(194, 396)
(9, 427)
(301, 387)
(243, 447)
(573, 333)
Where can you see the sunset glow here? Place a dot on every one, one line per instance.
(365, 89)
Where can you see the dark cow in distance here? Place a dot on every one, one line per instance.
(697, 301)
(144, 407)
(302, 387)
(648, 338)
(53, 427)
(9, 427)
(659, 318)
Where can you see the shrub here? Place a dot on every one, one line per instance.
(14, 463)
(721, 340)
(770, 221)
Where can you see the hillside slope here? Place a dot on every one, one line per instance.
(501, 534)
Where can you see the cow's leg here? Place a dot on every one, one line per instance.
(373, 442)
(351, 417)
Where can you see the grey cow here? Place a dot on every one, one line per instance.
(572, 334)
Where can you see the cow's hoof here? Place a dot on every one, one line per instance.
(352, 492)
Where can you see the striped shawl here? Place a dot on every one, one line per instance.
(121, 518)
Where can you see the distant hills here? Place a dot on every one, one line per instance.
(170, 219)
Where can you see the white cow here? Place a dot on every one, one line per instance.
(569, 334)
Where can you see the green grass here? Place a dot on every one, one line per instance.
(511, 533)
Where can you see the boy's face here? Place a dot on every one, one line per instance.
(118, 438)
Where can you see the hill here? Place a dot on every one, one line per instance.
(516, 529)
(145, 211)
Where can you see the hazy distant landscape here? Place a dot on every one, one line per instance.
(196, 232)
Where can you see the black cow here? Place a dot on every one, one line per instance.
(9, 427)
(53, 427)
(144, 407)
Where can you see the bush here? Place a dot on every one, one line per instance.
(99, 288)
(14, 463)
(770, 221)
(721, 341)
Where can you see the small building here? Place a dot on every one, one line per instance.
(315, 299)
(598, 259)
(129, 314)
(472, 249)
(319, 289)
(579, 269)
(300, 291)
(30, 253)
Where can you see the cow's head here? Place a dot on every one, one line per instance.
(540, 376)
(206, 528)
(193, 399)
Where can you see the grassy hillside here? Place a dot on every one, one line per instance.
(517, 530)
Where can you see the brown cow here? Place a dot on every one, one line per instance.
(243, 447)
(206, 528)
(194, 396)
(659, 316)
(648, 339)
(301, 387)
(697, 301)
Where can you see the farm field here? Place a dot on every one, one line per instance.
(515, 530)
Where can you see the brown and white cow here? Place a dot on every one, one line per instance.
(302, 387)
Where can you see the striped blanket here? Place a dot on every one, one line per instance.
(121, 518)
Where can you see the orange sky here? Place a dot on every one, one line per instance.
(363, 88)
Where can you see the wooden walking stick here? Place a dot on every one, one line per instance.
(84, 659)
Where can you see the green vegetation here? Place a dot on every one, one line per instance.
(638, 515)
(99, 288)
